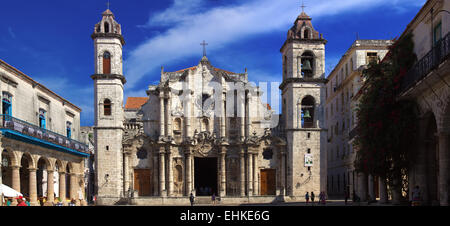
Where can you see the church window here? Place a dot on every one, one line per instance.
(98, 28)
(267, 153)
(107, 107)
(351, 64)
(437, 33)
(205, 125)
(141, 154)
(307, 112)
(372, 57)
(106, 27)
(6, 104)
(177, 125)
(69, 129)
(306, 33)
(42, 118)
(307, 67)
(106, 63)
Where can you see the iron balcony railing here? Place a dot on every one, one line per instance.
(9, 122)
(438, 54)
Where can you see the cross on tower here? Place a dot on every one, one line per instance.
(204, 44)
(107, 4)
(303, 7)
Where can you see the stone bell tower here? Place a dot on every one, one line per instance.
(108, 105)
(303, 101)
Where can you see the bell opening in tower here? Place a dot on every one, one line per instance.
(307, 65)
(205, 174)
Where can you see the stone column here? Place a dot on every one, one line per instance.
(73, 186)
(370, 186)
(250, 174)
(50, 187)
(362, 185)
(242, 172)
(162, 173)
(15, 181)
(169, 115)
(170, 172)
(188, 172)
(223, 117)
(33, 187)
(161, 114)
(16, 178)
(283, 173)
(383, 190)
(223, 182)
(241, 112)
(443, 167)
(247, 114)
(255, 174)
(126, 176)
(62, 187)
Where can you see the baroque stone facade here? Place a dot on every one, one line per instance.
(205, 130)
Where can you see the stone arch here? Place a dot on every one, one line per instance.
(43, 165)
(6, 169)
(307, 64)
(307, 111)
(431, 157)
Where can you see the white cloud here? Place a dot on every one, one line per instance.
(188, 25)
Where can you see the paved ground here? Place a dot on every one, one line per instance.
(329, 203)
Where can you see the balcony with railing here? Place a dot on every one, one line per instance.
(438, 54)
(28, 132)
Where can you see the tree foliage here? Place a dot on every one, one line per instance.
(386, 125)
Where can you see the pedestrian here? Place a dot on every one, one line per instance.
(307, 197)
(312, 197)
(191, 199)
(416, 196)
(21, 201)
(322, 198)
(213, 198)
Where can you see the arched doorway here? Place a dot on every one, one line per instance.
(205, 174)
(432, 159)
(25, 164)
(68, 185)
(41, 175)
(6, 172)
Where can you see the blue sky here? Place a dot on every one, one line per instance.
(49, 40)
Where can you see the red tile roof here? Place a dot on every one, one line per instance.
(135, 102)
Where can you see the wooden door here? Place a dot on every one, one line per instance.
(142, 182)
(106, 65)
(268, 182)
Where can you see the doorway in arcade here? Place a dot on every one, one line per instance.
(205, 176)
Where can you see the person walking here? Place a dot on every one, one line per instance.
(192, 199)
(416, 196)
(312, 197)
(213, 199)
(307, 197)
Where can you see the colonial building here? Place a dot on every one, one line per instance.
(40, 154)
(205, 130)
(428, 84)
(343, 84)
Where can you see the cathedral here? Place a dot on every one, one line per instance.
(204, 130)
